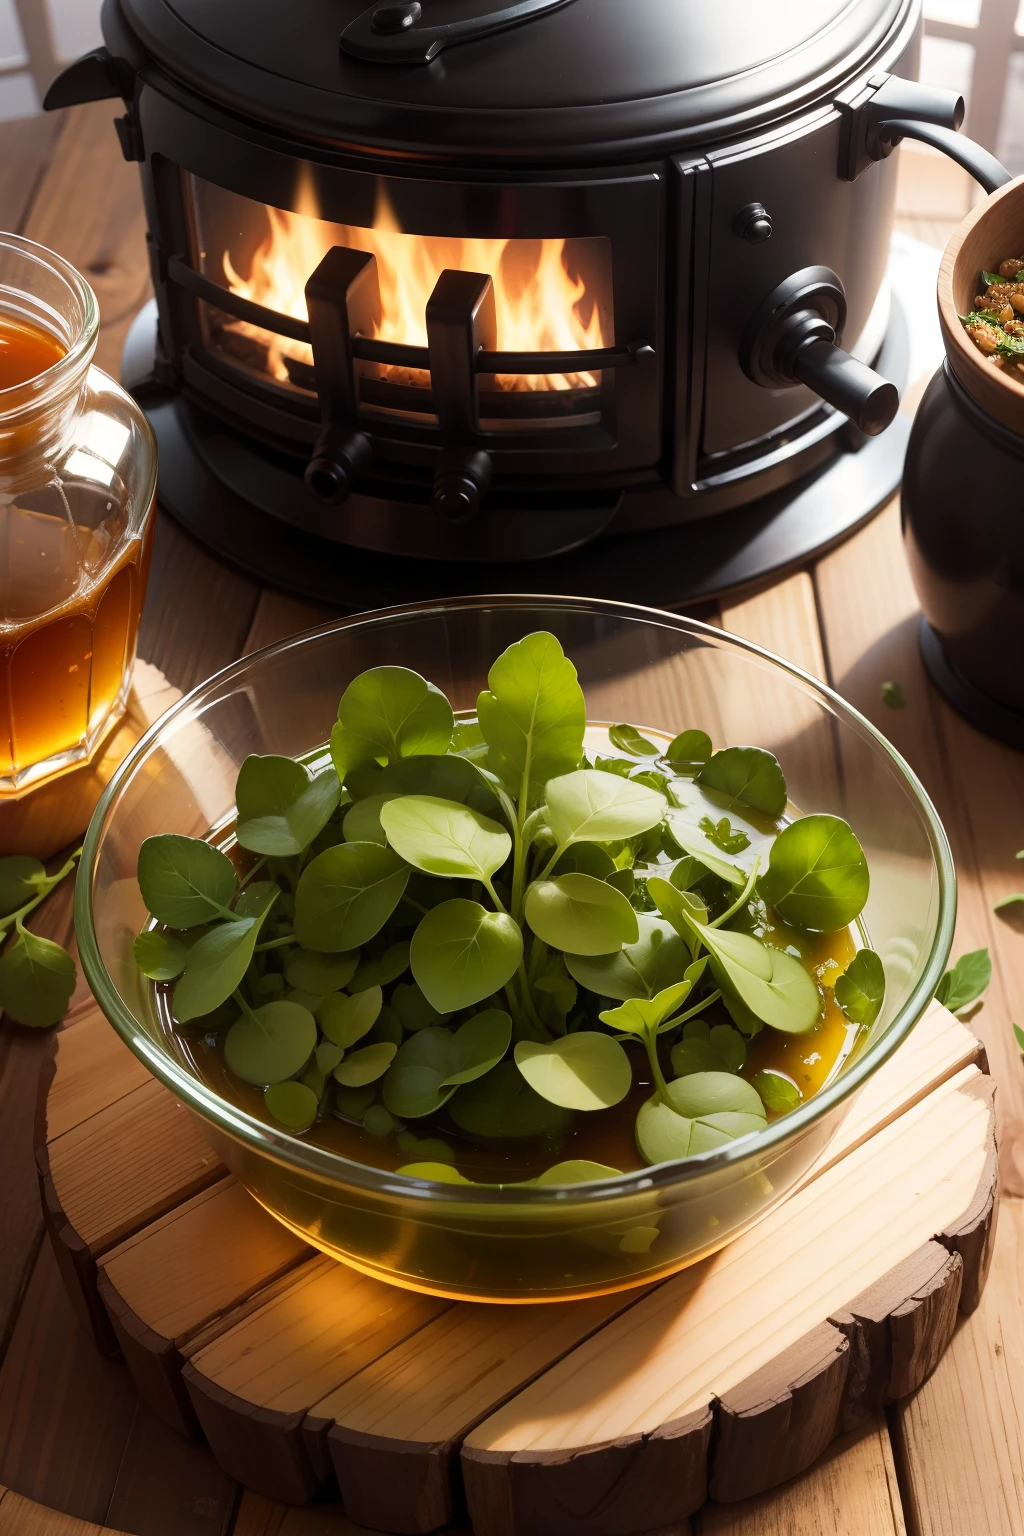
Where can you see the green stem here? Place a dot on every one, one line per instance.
(742, 898)
(492, 893)
(287, 938)
(242, 1003)
(651, 1045)
(690, 1013)
(50, 883)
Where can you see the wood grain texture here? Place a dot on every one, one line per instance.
(93, 1069)
(168, 1486)
(278, 615)
(24, 1517)
(28, 147)
(259, 1516)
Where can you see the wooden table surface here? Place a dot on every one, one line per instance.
(73, 1435)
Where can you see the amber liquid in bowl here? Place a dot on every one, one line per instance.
(71, 595)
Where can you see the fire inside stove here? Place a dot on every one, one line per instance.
(551, 295)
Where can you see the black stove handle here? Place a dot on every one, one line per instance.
(887, 109)
(397, 32)
(976, 161)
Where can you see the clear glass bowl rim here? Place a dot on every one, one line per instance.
(335, 1169)
(53, 379)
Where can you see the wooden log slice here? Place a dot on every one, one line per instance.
(612, 1415)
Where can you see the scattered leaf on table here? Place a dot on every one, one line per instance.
(580, 914)
(1018, 1035)
(585, 1070)
(965, 982)
(21, 879)
(893, 696)
(184, 881)
(270, 1043)
(346, 895)
(37, 978)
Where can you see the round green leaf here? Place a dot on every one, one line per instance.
(346, 895)
(532, 716)
(214, 967)
(21, 879)
(362, 820)
(442, 837)
(438, 1173)
(312, 972)
(257, 899)
(426, 1148)
(817, 875)
(576, 1171)
(345, 1019)
(394, 962)
(412, 1009)
(645, 1016)
(449, 778)
(589, 806)
(327, 1056)
(378, 1121)
(706, 1110)
(768, 981)
(461, 953)
(778, 1092)
(184, 881)
(750, 776)
(365, 1065)
(352, 1103)
(628, 739)
(415, 1085)
(292, 1104)
(280, 808)
(503, 1105)
(585, 859)
(388, 713)
(387, 1027)
(270, 1043)
(160, 956)
(722, 1049)
(654, 962)
(859, 991)
(37, 978)
(580, 914)
(586, 1070)
(689, 747)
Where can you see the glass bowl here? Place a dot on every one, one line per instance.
(652, 669)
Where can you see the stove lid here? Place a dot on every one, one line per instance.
(520, 78)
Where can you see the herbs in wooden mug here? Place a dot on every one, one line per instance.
(512, 947)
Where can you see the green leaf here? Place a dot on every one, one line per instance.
(378, 1121)
(449, 778)
(585, 859)
(778, 1092)
(1013, 900)
(720, 1049)
(645, 1016)
(657, 959)
(257, 899)
(345, 1019)
(328, 1055)
(860, 989)
(412, 1009)
(437, 1173)
(394, 962)
(689, 747)
(362, 823)
(215, 966)
(37, 978)
(576, 1170)
(468, 738)
(966, 981)
(430, 1065)
(555, 983)
(817, 875)
(532, 716)
(426, 1147)
(366, 1065)
(21, 880)
(685, 824)
(389, 713)
(706, 1110)
(442, 837)
(768, 981)
(184, 881)
(293, 1105)
(461, 953)
(750, 776)
(502, 1104)
(593, 807)
(723, 836)
(628, 739)
(586, 1070)
(352, 1103)
(893, 696)
(160, 956)
(312, 972)
(1018, 1035)
(280, 808)
(580, 914)
(270, 1043)
(346, 895)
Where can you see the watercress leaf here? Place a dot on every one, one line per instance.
(378, 1120)
(768, 981)
(555, 983)
(1018, 1035)
(461, 953)
(362, 822)
(585, 859)
(346, 895)
(412, 1009)
(394, 962)
(293, 1105)
(593, 807)
(628, 739)
(37, 978)
(449, 778)
(684, 825)
(657, 959)
(280, 808)
(352, 1103)
(387, 1027)
(270, 1043)
(966, 981)
(576, 1170)
(731, 1047)
(750, 776)
(416, 1081)
(312, 972)
(160, 956)
(620, 766)
(257, 899)
(718, 1049)
(389, 713)
(585, 1070)
(706, 1110)
(184, 881)
(778, 1092)
(437, 1173)
(345, 1019)
(641, 1016)
(817, 875)
(21, 879)
(684, 910)
(442, 837)
(697, 1056)
(478, 1045)
(532, 715)
(327, 1056)
(426, 1147)
(860, 989)
(468, 740)
(214, 967)
(580, 914)
(689, 747)
(365, 1065)
(502, 1104)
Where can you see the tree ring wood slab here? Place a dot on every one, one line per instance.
(614, 1415)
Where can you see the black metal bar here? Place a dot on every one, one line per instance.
(461, 321)
(180, 272)
(342, 298)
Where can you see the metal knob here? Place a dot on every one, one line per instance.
(753, 224)
(339, 458)
(460, 484)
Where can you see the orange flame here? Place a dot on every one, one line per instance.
(539, 305)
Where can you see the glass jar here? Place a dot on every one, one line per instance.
(77, 486)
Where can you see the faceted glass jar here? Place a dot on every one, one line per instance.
(77, 485)
(654, 669)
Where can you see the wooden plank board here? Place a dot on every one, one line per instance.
(169, 1486)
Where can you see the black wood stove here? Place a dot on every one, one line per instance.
(586, 295)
